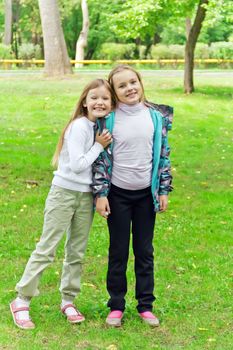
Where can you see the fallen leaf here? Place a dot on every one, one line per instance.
(111, 347)
(32, 182)
(89, 285)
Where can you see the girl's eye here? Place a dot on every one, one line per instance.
(93, 98)
(106, 98)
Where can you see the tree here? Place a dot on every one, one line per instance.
(7, 40)
(57, 62)
(82, 40)
(139, 19)
(190, 46)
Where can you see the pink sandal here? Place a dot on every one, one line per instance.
(73, 318)
(23, 324)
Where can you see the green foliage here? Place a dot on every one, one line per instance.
(136, 19)
(122, 22)
(2, 20)
(202, 51)
(28, 27)
(72, 25)
(221, 50)
(29, 51)
(100, 29)
(231, 38)
(174, 33)
(220, 31)
(167, 51)
(112, 51)
(6, 52)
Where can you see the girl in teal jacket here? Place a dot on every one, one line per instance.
(131, 182)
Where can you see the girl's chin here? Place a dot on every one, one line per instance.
(133, 101)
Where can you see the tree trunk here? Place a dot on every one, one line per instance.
(188, 26)
(190, 46)
(16, 35)
(7, 40)
(82, 40)
(57, 62)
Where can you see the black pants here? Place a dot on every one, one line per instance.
(128, 207)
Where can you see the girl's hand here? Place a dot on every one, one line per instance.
(105, 138)
(163, 202)
(102, 207)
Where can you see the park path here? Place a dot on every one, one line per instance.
(162, 73)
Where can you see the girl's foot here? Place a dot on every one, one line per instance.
(149, 318)
(114, 318)
(71, 313)
(20, 313)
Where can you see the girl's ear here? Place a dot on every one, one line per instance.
(84, 103)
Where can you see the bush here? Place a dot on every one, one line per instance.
(167, 51)
(6, 52)
(29, 51)
(202, 51)
(113, 51)
(176, 51)
(221, 50)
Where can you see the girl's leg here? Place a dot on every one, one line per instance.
(143, 228)
(58, 214)
(75, 247)
(119, 230)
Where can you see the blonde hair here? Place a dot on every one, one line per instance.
(121, 68)
(80, 111)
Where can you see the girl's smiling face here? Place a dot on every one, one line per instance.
(98, 103)
(127, 87)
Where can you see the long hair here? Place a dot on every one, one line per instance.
(80, 111)
(121, 68)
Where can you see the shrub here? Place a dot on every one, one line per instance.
(221, 50)
(202, 51)
(167, 51)
(176, 51)
(6, 52)
(29, 51)
(113, 51)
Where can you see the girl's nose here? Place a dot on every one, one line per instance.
(100, 101)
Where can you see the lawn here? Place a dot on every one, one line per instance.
(193, 239)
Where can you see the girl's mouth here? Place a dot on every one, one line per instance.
(131, 94)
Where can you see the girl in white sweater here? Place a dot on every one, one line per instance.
(69, 205)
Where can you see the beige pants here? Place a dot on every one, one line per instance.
(69, 211)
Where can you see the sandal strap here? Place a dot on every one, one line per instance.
(22, 308)
(69, 305)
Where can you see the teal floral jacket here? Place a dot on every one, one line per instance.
(161, 181)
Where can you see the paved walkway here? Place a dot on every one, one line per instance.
(164, 73)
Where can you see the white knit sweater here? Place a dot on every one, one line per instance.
(78, 153)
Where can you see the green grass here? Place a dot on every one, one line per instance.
(193, 240)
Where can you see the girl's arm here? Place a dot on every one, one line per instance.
(102, 171)
(102, 207)
(77, 138)
(165, 185)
